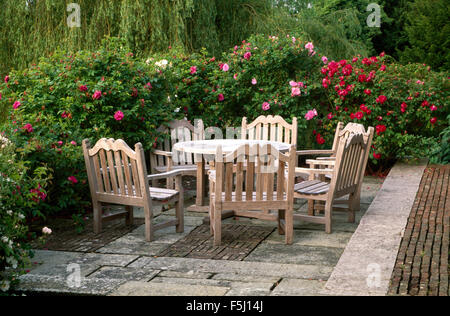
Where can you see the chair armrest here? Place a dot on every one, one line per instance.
(314, 152)
(326, 158)
(169, 174)
(321, 162)
(314, 171)
(162, 153)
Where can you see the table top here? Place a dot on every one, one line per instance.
(209, 147)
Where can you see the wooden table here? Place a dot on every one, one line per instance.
(202, 148)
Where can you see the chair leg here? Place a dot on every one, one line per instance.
(351, 208)
(149, 234)
(281, 217)
(130, 215)
(179, 210)
(328, 217)
(289, 226)
(217, 226)
(311, 208)
(357, 202)
(211, 218)
(97, 217)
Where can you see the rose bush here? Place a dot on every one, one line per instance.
(65, 98)
(264, 75)
(407, 104)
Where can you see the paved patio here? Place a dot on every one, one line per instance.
(128, 265)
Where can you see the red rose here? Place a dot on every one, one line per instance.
(377, 156)
(381, 99)
(320, 140)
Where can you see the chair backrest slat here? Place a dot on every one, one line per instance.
(270, 128)
(120, 172)
(104, 171)
(263, 166)
(127, 172)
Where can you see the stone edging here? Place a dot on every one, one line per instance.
(365, 268)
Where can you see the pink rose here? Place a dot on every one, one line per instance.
(309, 46)
(73, 143)
(225, 67)
(6, 79)
(254, 81)
(296, 92)
(16, 105)
(433, 108)
(325, 60)
(97, 95)
(311, 114)
(433, 120)
(247, 55)
(60, 143)
(266, 106)
(330, 116)
(220, 97)
(193, 70)
(28, 128)
(118, 116)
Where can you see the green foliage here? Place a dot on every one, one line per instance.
(428, 33)
(69, 97)
(442, 153)
(21, 189)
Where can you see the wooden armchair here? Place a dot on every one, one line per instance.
(252, 191)
(163, 159)
(270, 128)
(330, 155)
(118, 175)
(346, 173)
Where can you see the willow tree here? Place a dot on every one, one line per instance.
(33, 28)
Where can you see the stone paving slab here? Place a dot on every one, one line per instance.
(296, 254)
(168, 289)
(245, 268)
(313, 239)
(298, 287)
(126, 274)
(58, 285)
(367, 263)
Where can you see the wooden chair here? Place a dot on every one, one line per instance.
(270, 128)
(346, 174)
(118, 175)
(255, 191)
(331, 155)
(163, 159)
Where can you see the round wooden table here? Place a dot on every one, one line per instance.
(203, 148)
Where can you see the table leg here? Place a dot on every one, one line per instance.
(200, 200)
